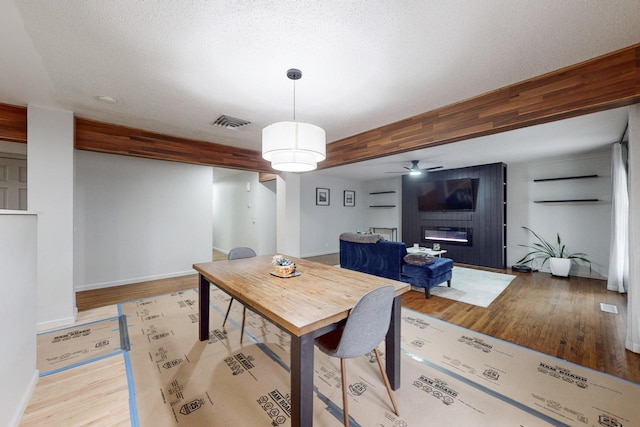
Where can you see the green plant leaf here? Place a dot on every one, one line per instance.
(543, 250)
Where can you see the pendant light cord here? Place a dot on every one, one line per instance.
(294, 100)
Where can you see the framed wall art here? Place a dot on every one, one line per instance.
(322, 196)
(349, 198)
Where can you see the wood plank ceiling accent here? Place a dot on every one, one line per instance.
(107, 138)
(264, 177)
(13, 123)
(599, 84)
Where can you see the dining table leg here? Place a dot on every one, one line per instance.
(203, 308)
(302, 380)
(392, 344)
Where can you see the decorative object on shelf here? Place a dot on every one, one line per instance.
(559, 258)
(322, 196)
(282, 266)
(294, 146)
(349, 198)
(436, 246)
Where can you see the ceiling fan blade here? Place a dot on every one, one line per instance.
(415, 167)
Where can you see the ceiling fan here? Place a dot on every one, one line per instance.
(415, 169)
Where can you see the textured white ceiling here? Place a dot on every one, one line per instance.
(175, 66)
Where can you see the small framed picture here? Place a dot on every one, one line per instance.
(322, 196)
(349, 198)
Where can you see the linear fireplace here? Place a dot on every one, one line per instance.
(454, 235)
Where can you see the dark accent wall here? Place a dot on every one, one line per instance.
(488, 219)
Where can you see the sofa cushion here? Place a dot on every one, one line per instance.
(418, 259)
(382, 258)
(439, 267)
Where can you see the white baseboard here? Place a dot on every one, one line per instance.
(56, 323)
(24, 400)
(91, 286)
(309, 255)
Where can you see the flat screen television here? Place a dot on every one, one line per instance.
(446, 195)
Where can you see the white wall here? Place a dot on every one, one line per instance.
(244, 213)
(288, 214)
(265, 214)
(385, 217)
(583, 227)
(18, 256)
(50, 195)
(138, 219)
(321, 226)
(632, 341)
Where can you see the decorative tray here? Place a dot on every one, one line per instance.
(294, 274)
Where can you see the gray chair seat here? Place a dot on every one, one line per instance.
(365, 328)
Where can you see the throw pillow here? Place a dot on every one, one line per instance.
(361, 238)
(418, 259)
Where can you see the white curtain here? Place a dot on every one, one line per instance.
(633, 292)
(618, 277)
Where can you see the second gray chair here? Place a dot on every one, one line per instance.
(366, 327)
(238, 253)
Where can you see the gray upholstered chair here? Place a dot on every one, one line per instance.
(238, 253)
(364, 329)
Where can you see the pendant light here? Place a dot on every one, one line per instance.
(294, 146)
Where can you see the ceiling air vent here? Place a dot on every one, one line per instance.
(229, 122)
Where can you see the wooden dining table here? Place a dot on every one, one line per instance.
(306, 306)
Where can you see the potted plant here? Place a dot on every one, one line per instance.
(283, 266)
(558, 256)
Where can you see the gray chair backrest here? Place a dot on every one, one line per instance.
(241, 252)
(367, 324)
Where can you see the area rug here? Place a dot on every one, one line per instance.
(477, 287)
(65, 348)
(451, 376)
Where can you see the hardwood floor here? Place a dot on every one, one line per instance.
(559, 317)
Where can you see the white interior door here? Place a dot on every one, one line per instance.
(13, 181)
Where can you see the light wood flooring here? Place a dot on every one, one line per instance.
(559, 317)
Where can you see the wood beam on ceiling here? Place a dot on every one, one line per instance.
(13, 123)
(264, 177)
(114, 139)
(599, 84)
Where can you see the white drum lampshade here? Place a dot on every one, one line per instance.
(294, 146)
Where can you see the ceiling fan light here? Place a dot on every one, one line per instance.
(415, 172)
(294, 146)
